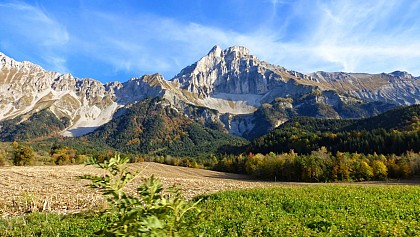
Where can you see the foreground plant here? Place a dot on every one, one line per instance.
(149, 212)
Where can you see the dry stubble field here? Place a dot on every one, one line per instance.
(58, 188)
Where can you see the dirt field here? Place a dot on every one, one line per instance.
(58, 188)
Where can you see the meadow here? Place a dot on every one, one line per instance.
(310, 210)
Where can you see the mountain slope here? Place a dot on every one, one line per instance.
(153, 126)
(252, 85)
(395, 131)
(41, 124)
(26, 88)
(396, 87)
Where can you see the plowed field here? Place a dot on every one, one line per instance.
(58, 188)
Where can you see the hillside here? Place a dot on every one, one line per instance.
(41, 124)
(271, 115)
(152, 126)
(395, 131)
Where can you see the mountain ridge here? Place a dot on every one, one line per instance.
(226, 89)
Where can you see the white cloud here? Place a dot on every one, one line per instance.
(349, 35)
(345, 36)
(30, 28)
(356, 35)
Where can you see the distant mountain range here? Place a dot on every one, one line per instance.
(228, 91)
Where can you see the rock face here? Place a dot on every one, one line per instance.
(233, 72)
(228, 90)
(26, 88)
(397, 87)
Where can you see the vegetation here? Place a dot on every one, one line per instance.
(394, 132)
(331, 210)
(318, 166)
(49, 224)
(313, 105)
(23, 155)
(151, 127)
(320, 210)
(41, 124)
(149, 213)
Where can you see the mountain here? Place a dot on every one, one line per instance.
(39, 125)
(396, 87)
(229, 91)
(26, 89)
(153, 126)
(241, 88)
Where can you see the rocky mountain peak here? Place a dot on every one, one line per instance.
(401, 74)
(231, 71)
(216, 51)
(9, 63)
(239, 51)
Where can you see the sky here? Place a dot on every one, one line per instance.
(115, 40)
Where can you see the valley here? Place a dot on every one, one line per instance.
(230, 129)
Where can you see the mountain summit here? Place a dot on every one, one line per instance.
(232, 71)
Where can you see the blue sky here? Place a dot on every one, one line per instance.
(114, 40)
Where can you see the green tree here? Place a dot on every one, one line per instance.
(23, 155)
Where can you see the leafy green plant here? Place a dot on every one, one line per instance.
(313, 210)
(150, 212)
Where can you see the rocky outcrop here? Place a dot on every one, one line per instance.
(397, 87)
(26, 88)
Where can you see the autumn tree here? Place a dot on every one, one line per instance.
(23, 155)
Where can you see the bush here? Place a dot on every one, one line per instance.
(149, 213)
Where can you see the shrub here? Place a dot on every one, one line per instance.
(3, 159)
(149, 213)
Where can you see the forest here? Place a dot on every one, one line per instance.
(303, 149)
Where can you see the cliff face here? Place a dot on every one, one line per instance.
(27, 88)
(232, 71)
(397, 87)
(228, 90)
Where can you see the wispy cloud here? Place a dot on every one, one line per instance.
(353, 36)
(30, 28)
(305, 35)
(148, 43)
(366, 35)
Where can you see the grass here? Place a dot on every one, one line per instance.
(319, 210)
(330, 210)
(49, 224)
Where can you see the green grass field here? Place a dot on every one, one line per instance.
(318, 210)
(331, 210)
